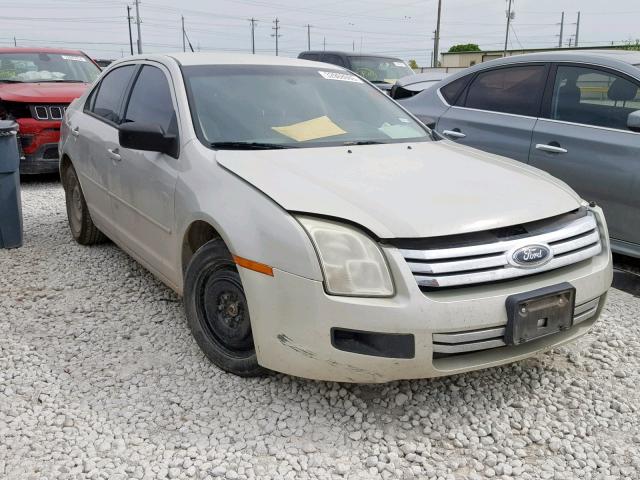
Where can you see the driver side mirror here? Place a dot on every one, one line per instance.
(633, 121)
(148, 137)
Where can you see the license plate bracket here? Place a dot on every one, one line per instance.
(538, 313)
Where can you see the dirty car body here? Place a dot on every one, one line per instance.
(367, 250)
(36, 87)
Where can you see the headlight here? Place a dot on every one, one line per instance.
(352, 263)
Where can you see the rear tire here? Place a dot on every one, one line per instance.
(217, 310)
(82, 227)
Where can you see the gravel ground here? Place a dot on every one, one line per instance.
(100, 378)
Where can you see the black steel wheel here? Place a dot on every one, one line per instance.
(81, 225)
(217, 310)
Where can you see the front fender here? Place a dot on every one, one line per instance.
(251, 224)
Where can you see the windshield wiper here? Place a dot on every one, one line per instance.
(380, 81)
(57, 81)
(247, 146)
(8, 80)
(363, 142)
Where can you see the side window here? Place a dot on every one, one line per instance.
(333, 59)
(516, 90)
(107, 99)
(151, 101)
(452, 91)
(593, 97)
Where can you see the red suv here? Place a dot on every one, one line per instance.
(36, 86)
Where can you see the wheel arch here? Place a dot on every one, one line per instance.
(64, 165)
(198, 232)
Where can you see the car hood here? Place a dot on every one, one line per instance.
(41, 92)
(413, 190)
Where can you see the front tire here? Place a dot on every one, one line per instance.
(82, 227)
(217, 310)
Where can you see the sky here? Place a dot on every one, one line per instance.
(401, 28)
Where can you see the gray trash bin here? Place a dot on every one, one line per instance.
(10, 204)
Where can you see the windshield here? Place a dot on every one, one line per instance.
(282, 106)
(46, 67)
(380, 69)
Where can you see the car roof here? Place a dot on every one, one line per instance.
(40, 50)
(349, 54)
(624, 56)
(622, 60)
(202, 58)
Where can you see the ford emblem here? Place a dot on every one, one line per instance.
(531, 256)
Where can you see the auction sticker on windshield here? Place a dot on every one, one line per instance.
(74, 58)
(344, 77)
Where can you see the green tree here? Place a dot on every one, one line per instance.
(466, 47)
(632, 46)
(413, 64)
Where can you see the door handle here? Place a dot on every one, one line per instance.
(113, 153)
(75, 132)
(453, 133)
(551, 148)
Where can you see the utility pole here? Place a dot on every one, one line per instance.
(138, 23)
(561, 30)
(184, 43)
(354, 46)
(434, 62)
(577, 30)
(15, 42)
(324, 43)
(253, 35)
(436, 38)
(506, 38)
(277, 34)
(129, 25)
(308, 37)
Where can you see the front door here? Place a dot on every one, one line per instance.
(95, 130)
(498, 110)
(143, 183)
(585, 141)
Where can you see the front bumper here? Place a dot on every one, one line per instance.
(38, 144)
(292, 318)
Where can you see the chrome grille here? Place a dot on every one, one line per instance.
(56, 113)
(452, 343)
(48, 112)
(437, 268)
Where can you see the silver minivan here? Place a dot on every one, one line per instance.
(574, 114)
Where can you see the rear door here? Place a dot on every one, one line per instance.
(96, 132)
(498, 110)
(584, 140)
(142, 182)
